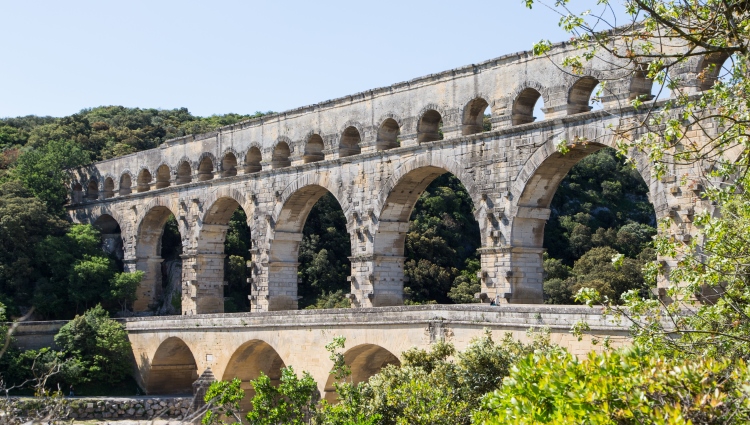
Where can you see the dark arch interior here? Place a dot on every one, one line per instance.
(144, 181)
(163, 175)
(599, 207)
(313, 149)
(324, 256)
(247, 363)
(474, 117)
(350, 140)
(125, 184)
(430, 127)
(184, 173)
(159, 239)
(281, 154)
(92, 190)
(173, 369)
(111, 238)
(365, 361)
(252, 160)
(388, 135)
(579, 97)
(109, 188)
(229, 165)
(525, 106)
(205, 169)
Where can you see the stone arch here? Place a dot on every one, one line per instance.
(523, 105)
(579, 94)
(281, 155)
(287, 223)
(163, 176)
(143, 184)
(92, 189)
(429, 125)
(173, 368)
(388, 132)
(314, 149)
(150, 227)
(473, 116)
(229, 163)
(253, 158)
(109, 187)
(365, 361)
(709, 68)
(247, 363)
(76, 193)
(126, 183)
(184, 172)
(111, 235)
(206, 166)
(350, 140)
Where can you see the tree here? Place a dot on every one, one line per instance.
(292, 402)
(123, 287)
(661, 40)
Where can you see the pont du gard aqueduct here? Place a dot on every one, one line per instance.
(375, 152)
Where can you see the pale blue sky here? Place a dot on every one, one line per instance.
(242, 56)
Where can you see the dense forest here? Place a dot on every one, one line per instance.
(600, 209)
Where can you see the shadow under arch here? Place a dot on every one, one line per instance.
(148, 253)
(246, 364)
(365, 361)
(111, 235)
(288, 223)
(173, 369)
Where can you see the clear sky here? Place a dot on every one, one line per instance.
(215, 57)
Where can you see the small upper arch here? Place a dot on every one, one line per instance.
(229, 163)
(253, 159)
(76, 195)
(163, 176)
(281, 156)
(388, 131)
(579, 95)
(472, 120)
(350, 140)
(143, 184)
(314, 148)
(184, 172)
(709, 69)
(126, 183)
(109, 187)
(92, 189)
(430, 124)
(525, 100)
(206, 166)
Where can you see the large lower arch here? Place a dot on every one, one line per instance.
(247, 363)
(205, 269)
(288, 222)
(111, 234)
(365, 361)
(173, 369)
(148, 253)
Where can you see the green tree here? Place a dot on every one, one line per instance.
(292, 402)
(96, 347)
(124, 286)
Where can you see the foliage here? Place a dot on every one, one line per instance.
(331, 300)
(237, 248)
(96, 348)
(622, 387)
(124, 286)
(223, 400)
(292, 402)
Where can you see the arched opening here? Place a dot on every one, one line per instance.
(76, 195)
(224, 245)
(163, 175)
(289, 263)
(349, 144)
(109, 188)
(144, 181)
(126, 183)
(206, 169)
(430, 127)
(111, 238)
(247, 363)
(229, 165)
(324, 253)
(365, 361)
(580, 96)
(476, 117)
(427, 222)
(184, 173)
(92, 190)
(158, 251)
(388, 135)
(598, 207)
(313, 149)
(252, 160)
(527, 105)
(173, 369)
(713, 69)
(280, 158)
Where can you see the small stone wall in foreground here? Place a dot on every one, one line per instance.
(145, 408)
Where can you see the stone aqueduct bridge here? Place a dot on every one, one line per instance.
(376, 152)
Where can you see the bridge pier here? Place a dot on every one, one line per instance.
(150, 287)
(202, 283)
(377, 280)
